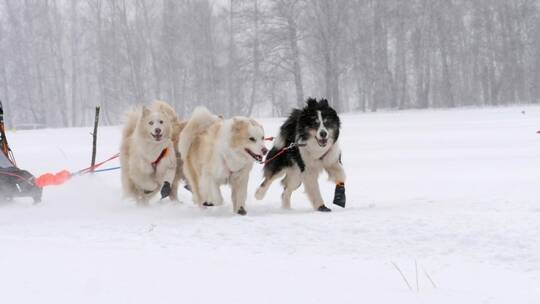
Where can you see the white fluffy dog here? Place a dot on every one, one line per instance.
(147, 153)
(215, 152)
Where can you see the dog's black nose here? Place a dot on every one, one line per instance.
(264, 151)
(323, 134)
(157, 130)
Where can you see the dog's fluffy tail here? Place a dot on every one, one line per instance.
(200, 121)
(130, 124)
(132, 117)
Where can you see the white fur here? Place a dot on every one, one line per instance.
(316, 159)
(139, 149)
(322, 127)
(212, 158)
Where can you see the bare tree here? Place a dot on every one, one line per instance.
(59, 58)
(282, 39)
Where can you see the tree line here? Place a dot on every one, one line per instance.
(60, 58)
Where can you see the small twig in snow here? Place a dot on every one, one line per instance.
(62, 151)
(402, 276)
(429, 277)
(416, 274)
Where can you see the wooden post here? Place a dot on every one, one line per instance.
(3, 139)
(4, 146)
(94, 140)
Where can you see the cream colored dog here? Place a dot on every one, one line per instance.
(217, 152)
(148, 154)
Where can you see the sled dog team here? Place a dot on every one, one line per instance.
(158, 150)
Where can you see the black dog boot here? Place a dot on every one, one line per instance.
(207, 204)
(323, 208)
(339, 195)
(242, 211)
(165, 190)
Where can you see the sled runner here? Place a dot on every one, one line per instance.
(14, 182)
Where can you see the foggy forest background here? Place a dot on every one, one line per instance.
(61, 58)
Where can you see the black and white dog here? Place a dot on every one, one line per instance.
(307, 144)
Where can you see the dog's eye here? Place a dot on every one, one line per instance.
(151, 123)
(252, 139)
(161, 122)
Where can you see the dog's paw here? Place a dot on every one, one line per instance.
(142, 203)
(242, 211)
(165, 190)
(175, 200)
(207, 204)
(339, 195)
(259, 194)
(323, 208)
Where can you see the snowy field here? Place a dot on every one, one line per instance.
(456, 192)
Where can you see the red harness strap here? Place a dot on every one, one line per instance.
(92, 168)
(281, 151)
(163, 154)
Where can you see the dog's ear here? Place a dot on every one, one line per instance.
(311, 102)
(237, 124)
(239, 128)
(254, 123)
(323, 103)
(145, 111)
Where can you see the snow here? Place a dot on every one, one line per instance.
(454, 191)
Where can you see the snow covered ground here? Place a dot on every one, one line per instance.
(456, 192)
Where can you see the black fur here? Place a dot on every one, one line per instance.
(296, 129)
(165, 190)
(242, 211)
